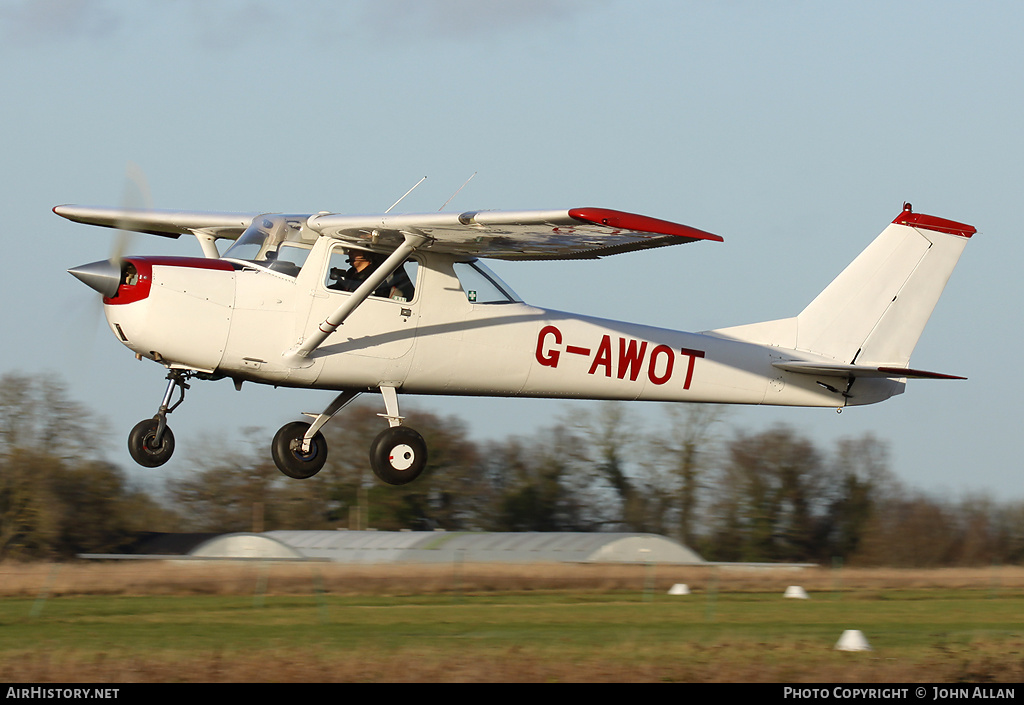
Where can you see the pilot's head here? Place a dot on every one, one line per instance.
(359, 260)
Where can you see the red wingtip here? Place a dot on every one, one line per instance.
(639, 223)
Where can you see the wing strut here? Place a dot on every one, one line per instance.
(207, 241)
(298, 354)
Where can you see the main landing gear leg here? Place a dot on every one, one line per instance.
(299, 449)
(151, 442)
(398, 454)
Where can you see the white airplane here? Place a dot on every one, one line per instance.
(418, 312)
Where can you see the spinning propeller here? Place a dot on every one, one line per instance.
(105, 276)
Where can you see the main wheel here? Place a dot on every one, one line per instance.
(288, 455)
(143, 446)
(398, 455)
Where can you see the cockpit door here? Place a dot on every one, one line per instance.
(384, 325)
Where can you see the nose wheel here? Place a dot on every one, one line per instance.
(151, 442)
(147, 446)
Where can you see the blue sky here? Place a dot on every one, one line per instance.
(795, 130)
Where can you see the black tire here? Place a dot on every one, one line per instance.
(398, 455)
(288, 455)
(142, 444)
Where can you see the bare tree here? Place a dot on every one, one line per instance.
(58, 496)
(769, 498)
(689, 447)
(858, 481)
(609, 444)
(538, 484)
(232, 487)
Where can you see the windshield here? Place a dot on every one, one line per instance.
(278, 242)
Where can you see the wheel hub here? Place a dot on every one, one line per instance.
(402, 457)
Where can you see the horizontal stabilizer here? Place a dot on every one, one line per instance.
(835, 370)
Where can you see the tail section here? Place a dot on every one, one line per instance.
(873, 313)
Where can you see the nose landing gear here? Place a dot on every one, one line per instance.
(151, 442)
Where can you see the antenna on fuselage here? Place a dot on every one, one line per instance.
(457, 192)
(406, 194)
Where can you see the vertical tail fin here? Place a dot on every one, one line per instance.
(875, 310)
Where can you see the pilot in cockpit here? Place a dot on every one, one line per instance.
(361, 265)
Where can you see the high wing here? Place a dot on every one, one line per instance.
(577, 233)
(166, 223)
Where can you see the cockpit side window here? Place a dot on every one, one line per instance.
(350, 267)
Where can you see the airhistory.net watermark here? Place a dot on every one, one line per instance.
(39, 692)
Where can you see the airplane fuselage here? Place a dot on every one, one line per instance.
(238, 320)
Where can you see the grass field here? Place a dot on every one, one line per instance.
(216, 622)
